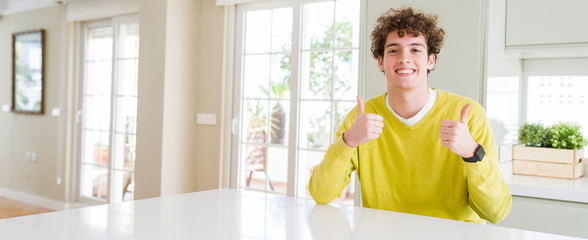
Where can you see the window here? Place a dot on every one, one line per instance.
(297, 77)
(553, 90)
(107, 110)
(503, 108)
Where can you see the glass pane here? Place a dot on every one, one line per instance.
(120, 185)
(279, 123)
(254, 166)
(503, 108)
(99, 44)
(97, 113)
(317, 25)
(97, 79)
(282, 30)
(128, 40)
(307, 160)
(280, 76)
(255, 121)
(277, 169)
(552, 99)
(347, 18)
(94, 182)
(122, 153)
(348, 193)
(127, 77)
(258, 31)
(346, 74)
(126, 115)
(131, 147)
(342, 108)
(257, 74)
(96, 145)
(315, 124)
(316, 75)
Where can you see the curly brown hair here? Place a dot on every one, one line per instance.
(407, 21)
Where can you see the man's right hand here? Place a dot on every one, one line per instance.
(365, 128)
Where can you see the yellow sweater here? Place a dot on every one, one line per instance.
(408, 170)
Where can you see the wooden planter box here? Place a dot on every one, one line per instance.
(547, 162)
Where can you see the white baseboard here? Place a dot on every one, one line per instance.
(37, 200)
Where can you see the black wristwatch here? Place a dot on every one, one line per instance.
(478, 155)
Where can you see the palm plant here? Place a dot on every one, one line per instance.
(278, 116)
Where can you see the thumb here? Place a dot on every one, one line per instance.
(464, 113)
(360, 106)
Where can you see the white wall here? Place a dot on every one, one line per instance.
(179, 154)
(180, 75)
(152, 20)
(499, 63)
(42, 134)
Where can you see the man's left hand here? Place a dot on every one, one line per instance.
(456, 135)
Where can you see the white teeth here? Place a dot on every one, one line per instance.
(404, 71)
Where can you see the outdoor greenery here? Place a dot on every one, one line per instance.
(323, 85)
(562, 135)
(322, 66)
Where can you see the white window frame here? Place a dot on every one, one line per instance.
(233, 66)
(81, 29)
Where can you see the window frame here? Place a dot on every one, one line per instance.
(234, 74)
(81, 50)
(571, 66)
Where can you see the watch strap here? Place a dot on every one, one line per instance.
(478, 155)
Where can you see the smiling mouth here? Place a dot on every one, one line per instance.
(405, 71)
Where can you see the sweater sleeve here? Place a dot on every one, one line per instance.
(489, 194)
(333, 174)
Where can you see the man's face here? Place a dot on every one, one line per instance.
(405, 61)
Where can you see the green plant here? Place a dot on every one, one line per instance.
(566, 135)
(533, 135)
(278, 115)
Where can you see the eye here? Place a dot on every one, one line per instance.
(392, 51)
(416, 50)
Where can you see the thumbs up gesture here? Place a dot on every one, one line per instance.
(366, 127)
(456, 135)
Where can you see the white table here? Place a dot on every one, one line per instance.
(575, 190)
(238, 214)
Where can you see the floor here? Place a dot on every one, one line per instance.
(11, 208)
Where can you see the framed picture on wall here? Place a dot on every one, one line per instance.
(27, 72)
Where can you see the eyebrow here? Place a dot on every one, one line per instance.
(396, 44)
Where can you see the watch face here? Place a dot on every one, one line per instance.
(478, 155)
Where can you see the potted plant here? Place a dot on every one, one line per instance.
(554, 151)
(278, 115)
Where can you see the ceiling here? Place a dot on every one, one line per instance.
(14, 6)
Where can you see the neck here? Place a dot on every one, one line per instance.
(407, 103)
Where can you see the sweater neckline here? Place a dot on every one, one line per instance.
(434, 108)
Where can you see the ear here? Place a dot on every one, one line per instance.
(431, 62)
(381, 63)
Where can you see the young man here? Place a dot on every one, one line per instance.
(415, 149)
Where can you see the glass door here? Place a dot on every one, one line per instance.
(107, 110)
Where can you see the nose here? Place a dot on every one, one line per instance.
(402, 58)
